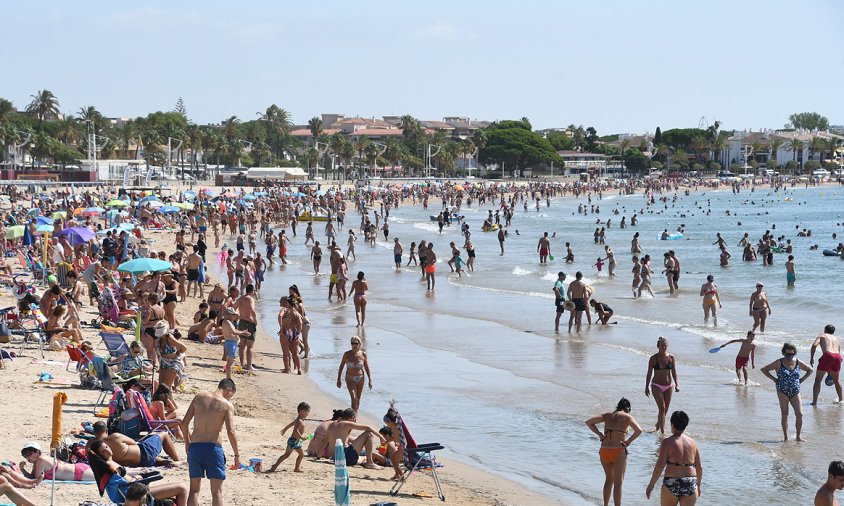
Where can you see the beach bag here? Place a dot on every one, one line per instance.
(5, 333)
(129, 423)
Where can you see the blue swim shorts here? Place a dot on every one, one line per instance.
(150, 449)
(206, 460)
(231, 348)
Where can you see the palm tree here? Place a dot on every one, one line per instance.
(775, 143)
(90, 113)
(831, 146)
(68, 131)
(231, 128)
(315, 126)
(278, 124)
(756, 148)
(467, 147)
(795, 145)
(45, 106)
(7, 111)
(718, 145)
(361, 145)
(817, 145)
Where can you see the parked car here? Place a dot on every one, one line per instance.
(820, 172)
(726, 173)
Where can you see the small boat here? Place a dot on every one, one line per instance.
(307, 216)
(831, 253)
(671, 237)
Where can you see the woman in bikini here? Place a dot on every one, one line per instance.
(709, 292)
(680, 458)
(637, 277)
(357, 370)
(614, 444)
(788, 381)
(171, 351)
(170, 298)
(216, 299)
(358, 291)
(662, 368)
(299, 306)
(290, 327)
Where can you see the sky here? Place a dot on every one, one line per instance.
(622, 66)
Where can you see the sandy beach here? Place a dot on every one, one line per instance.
(265, 402)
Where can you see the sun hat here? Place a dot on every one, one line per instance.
(32, 445)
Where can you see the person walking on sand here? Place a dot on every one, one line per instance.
(357, 370)
(614, 444)
(834, 481)
(206, 459)
(709, 292)
(247, 320)
(747, 352)
(830, 361)
(679, 456)
(543, 247)
(788, 382)
(662, 368)
(760, 308)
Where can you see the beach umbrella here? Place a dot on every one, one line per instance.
(34, 211)
(208, 191)
(459, 188)
(150, 198)
(27, 237)
(43, 220)
(59, 215)
(250, 197)
(14, 232)
(45, 229)
(154, 204)
(116, 203)
(320, 193)
(184, 205)
(93, 211)
(189, 194)
(230, 195)
(144, 265)
(342, 488)
(127, 226)
(78, 235)
(260, 194)
(169, 209)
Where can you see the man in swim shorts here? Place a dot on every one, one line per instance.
(248, 321)
(210, 411)
(544, 249)
(790, 277)
(578, 294)
(559, 298)
(342, 428)
(143, 453)
(829, 363)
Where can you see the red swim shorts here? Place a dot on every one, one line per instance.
(430, 268)
(741, 362)
(830, 362)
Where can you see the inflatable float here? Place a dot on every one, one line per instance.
(493, 228)
(831, 253)
(671, 237)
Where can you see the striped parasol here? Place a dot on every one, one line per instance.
(342, 488)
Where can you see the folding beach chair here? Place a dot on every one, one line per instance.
(108, 379)
(31, 329)
(150, 424)
(115, 343)
(75, 354)
(417, 457)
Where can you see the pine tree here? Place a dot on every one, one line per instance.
(657, 137)
(180, 108)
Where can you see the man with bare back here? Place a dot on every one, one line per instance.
(206, 459)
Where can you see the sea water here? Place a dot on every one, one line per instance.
(476, 365)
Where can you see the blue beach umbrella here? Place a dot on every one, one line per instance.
(250, 197)
(78, 235)
(144, 264)
(189, 194)
(34, 211)
(27, 237)
(169, 209)
(342, 488)
(43, 220)
(44, 229)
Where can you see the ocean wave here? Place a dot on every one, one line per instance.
(518, 271)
